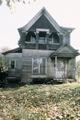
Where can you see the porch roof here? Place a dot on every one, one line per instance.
(15, 50)
(65, 51)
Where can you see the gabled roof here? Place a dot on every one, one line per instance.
(67, 29)
(16, 50)
(44, 12)
(65, 51)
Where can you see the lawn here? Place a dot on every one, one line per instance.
(41, 102)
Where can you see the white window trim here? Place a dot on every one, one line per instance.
(39, 65)
(42, 30)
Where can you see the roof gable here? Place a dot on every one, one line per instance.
(15, 50)
(44, 12)
(66, 49)
(42, 23)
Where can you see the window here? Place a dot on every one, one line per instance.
(30, 37)
(39, 66)
(42, 37)
(42, 34)
(53, 38)
(13, 64)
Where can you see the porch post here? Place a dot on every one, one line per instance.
(66, 69)
(47, 42)
(55, 66)
(37, 39)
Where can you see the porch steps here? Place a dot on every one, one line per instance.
(64, 80)
(59, 80)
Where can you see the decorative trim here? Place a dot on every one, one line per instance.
(42, 30)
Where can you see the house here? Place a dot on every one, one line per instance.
(44, 51)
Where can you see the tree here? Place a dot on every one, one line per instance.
(3, 71)
(9, 3)
(3, 65)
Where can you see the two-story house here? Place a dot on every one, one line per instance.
(44, 51)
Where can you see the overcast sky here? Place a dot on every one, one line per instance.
(65, 12)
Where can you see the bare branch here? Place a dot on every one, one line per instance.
(9, 3)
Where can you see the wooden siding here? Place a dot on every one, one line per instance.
(50, 68)
(17, 57)
(66, 39)
(71, 68)
(65, 67)
(54, 46)
(27, 62)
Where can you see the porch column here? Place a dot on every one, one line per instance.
(37, 39)
(55, 66)
(66, 69)
(47, 42)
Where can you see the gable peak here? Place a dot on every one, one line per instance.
(44, 12)
(43, 9)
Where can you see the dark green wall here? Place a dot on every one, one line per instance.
(42, 22)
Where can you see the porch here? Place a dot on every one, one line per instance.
(63, 68)
(64, 63)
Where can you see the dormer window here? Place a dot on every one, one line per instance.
(31, 37)
(53, 38)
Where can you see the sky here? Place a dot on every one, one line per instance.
(65, 12)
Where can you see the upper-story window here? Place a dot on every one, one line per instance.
(42, 37)
(53, 38)
(31, 37)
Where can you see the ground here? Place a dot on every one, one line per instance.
(40, 102)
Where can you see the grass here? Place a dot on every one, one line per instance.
(40, 102)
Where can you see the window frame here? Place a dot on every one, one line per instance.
(42, 39)
(14, 64)
(52, 40)
(38, 30)
(30, 39)
(39, 66)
